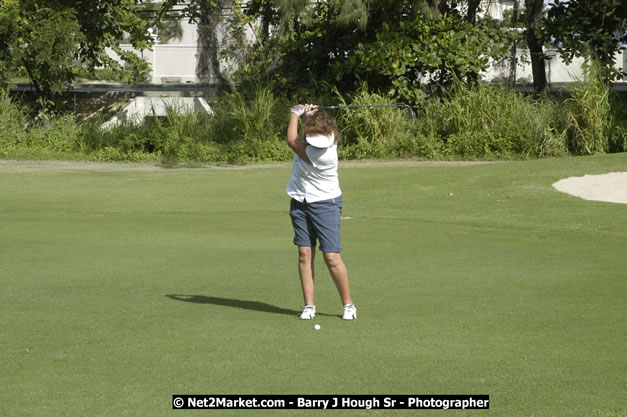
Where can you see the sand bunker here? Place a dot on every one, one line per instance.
(611, 188)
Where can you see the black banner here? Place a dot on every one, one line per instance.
(331, 402)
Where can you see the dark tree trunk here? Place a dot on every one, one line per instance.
(534, 14)
(471, 17)
(473, 7)
(208, 63)
(513, 64)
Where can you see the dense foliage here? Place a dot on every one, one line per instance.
(49, 39)
(428, 53)
(482, 122)
(395, 46)
(595, 30)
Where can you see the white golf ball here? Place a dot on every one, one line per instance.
(317, 327)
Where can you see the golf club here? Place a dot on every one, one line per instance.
(410, 112)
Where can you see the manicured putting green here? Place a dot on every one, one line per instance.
(124, 286)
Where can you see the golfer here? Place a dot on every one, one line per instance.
(316, 203)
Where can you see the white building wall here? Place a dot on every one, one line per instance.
(496, 8)
(173, 61)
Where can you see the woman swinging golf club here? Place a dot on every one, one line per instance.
(316, 203)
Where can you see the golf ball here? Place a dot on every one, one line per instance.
(317, 327)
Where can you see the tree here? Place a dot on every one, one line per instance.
(398, 46)
(9, 40)
(208, 15)
(513, 65)
(208, 19)
(49, 38)
(595, 30)
(48, 50)
(165, 28)
(414, 55)
(473, 7)
(534, 12)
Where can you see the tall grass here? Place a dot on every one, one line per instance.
(25, 138)
(251, 126)
(484, 122)
(12, 120)
(469, 123)
(590, 114)
(242, 129)
(179, 136)
(375, 132)
(490, 122)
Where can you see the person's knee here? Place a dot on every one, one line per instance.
(332, 259)
(305, 254)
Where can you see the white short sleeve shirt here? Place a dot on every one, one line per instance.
(318, 181)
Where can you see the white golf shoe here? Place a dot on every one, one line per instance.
(350, 312)
(309, 312)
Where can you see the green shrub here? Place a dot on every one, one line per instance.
(591, 119)
(375, 132)
(61, 134)
(251, 127)
(618, 138)
(19, 137)
(490, 122)
(172, 137)
(478, 123)
(111, 154)
(242, 129)
(12, 121)
(436, 53)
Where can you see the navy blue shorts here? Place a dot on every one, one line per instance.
(319, 221)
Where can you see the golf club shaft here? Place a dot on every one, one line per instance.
(410, 112)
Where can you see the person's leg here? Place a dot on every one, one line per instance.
(305, 240)
(339, 273)
(325, 218)
(306, 255)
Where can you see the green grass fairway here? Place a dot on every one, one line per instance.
(123, 286)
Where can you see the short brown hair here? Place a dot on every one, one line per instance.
(322, 124)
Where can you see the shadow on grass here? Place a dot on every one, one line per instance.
(231, 302)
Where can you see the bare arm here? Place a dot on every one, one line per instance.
(299, 147)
